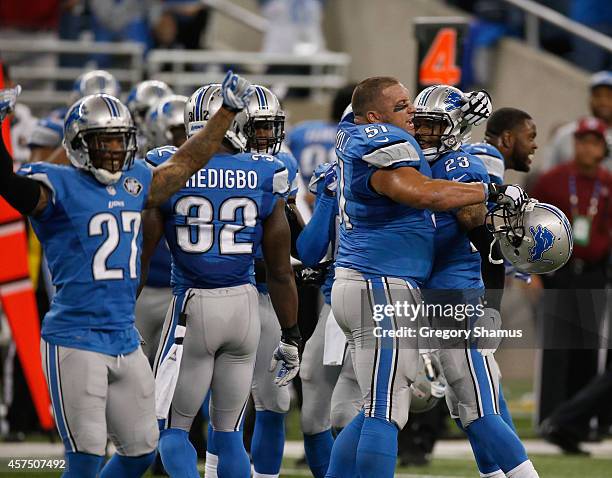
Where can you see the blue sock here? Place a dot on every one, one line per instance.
(127, 466)
(484, 461)
(82, 465)
(344, 452)
(504, 411)
(268, 442)
(377, 450)
(178, 454)
(504, 446)
(233, 459)
(318, 449)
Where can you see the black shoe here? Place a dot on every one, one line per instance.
(413, 459)
(568, 443)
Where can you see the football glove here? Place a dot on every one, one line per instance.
(478, 107)
(510, 195)
(287, 353)
(236, 92)
(330, 182)
(8, 98)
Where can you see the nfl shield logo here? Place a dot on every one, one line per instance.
(132, 186)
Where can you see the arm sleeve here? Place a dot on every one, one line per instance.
(314, 239)
(20, 192)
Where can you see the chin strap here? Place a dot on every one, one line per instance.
(491, 260)
(106, 177)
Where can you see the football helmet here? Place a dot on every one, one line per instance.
(204, 103)
(164, 119)
(438, 115)
(536, 239)
(429, 385)
(145, 95)
(92, 82)
(264, 128)
(93, 127)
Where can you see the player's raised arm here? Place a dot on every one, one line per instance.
(26, 195)
(193, 155)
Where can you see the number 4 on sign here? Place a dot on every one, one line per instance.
(438, 66)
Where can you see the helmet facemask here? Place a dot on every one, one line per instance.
(265, 134)
(110, 151)
(432, 132)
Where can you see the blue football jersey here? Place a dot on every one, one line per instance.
(491, 158)
(380, 237)
(457, 262)
(91, 236)
(312, 143)
(214, 224)
(49, 131)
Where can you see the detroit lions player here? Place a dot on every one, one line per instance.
(385, 253)
(88, 216)
(156, 294)
(144, 96)
(313, 142)
(46, 139)
(509, 144)
(472, 377)
(263, 132)
(214, 227)
(330, 394)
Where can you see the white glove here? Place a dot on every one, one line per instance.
(478, 107)
(8, 98)
(511, 195)
(289, 357)
(236, 92)
(438, 389)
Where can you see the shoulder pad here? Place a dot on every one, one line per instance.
(45, 173)
(387, 155)
(280, 182)
(160, 155)
(490, 156)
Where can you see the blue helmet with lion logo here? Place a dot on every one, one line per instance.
(537, 239)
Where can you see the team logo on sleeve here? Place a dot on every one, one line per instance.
(453, 100)
(543, 240)
(132, 186)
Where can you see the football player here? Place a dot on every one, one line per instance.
(455, 279)
(263, 133)
(313, 142)
(214, 227)
(330, 394)
(385, 253)
(509, 144)
(140, 100)
(88, 217)
(45, 142)
(154, 298)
